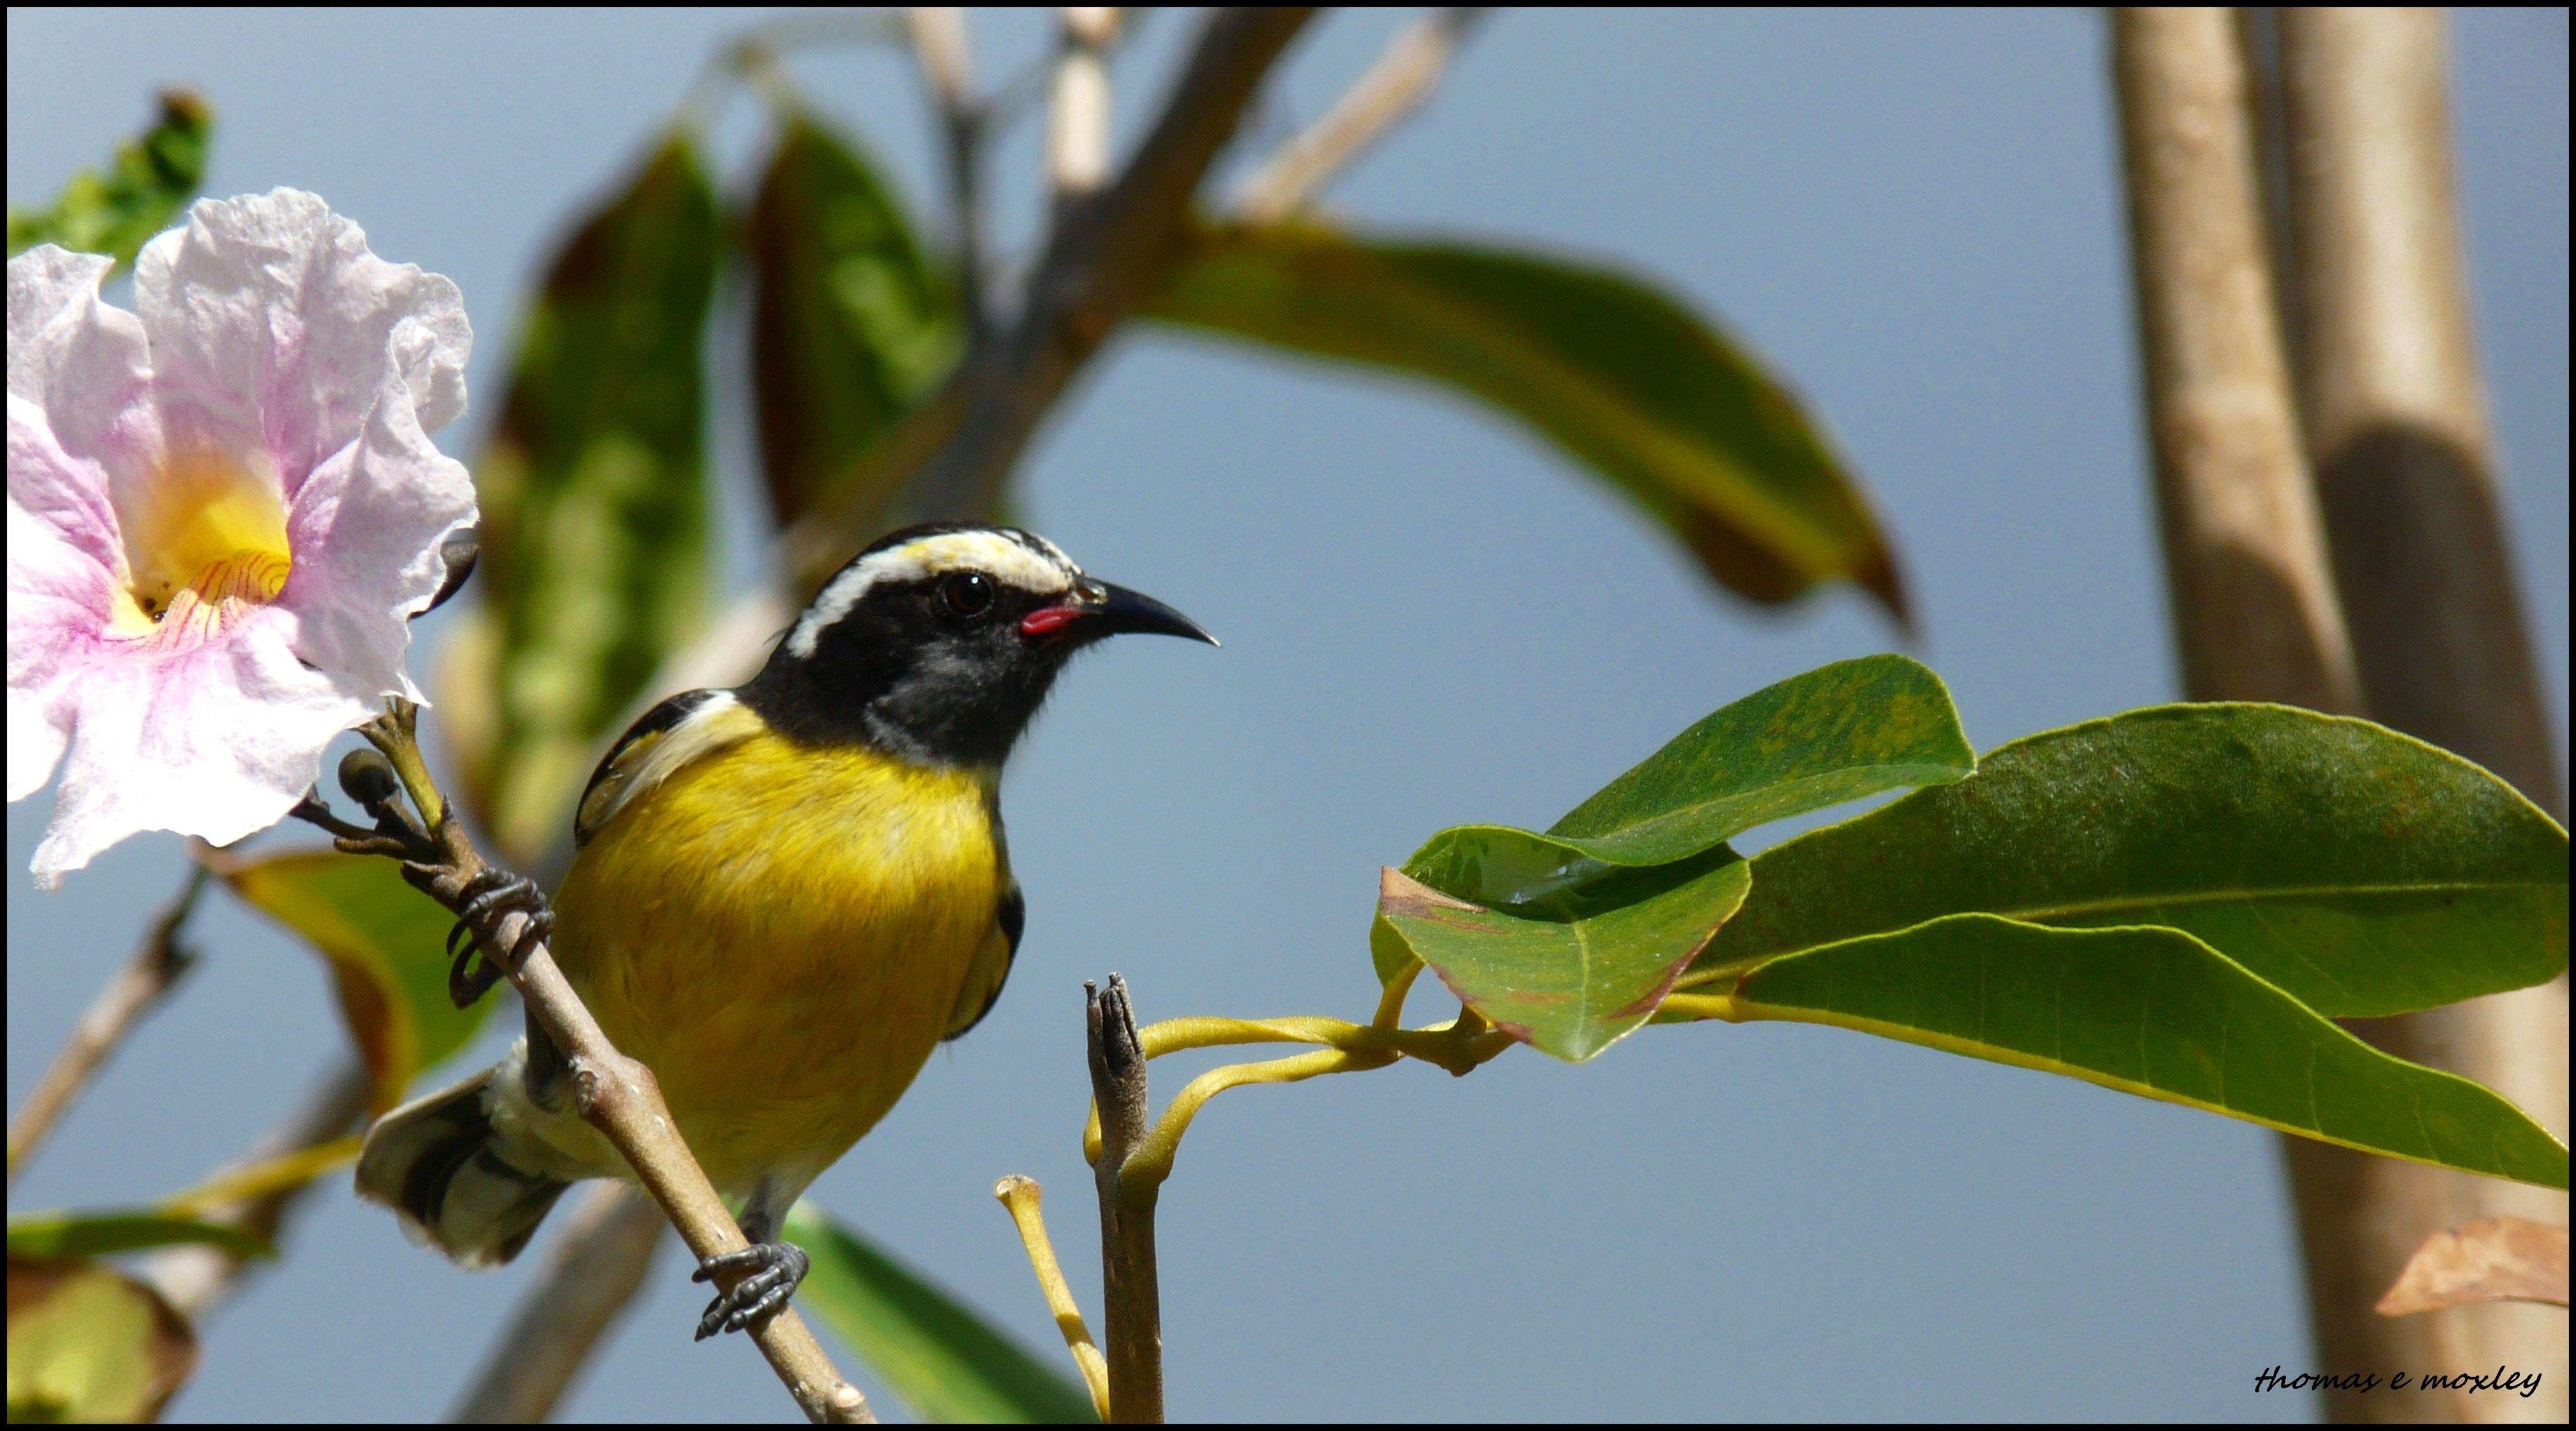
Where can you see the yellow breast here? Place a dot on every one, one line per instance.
(780, 933)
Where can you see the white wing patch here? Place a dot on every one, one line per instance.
(1022, 559)
(642, 761)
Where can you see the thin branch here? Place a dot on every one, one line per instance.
(1078, 114)
(1022, 1197)
(1381, 99)
(940, 44)
(1103, 261)
(1129, 1282)
(613, 1093)
(158, 963)
(198, 1279)
(591, 1274)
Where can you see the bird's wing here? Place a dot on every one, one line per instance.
(662, 740)
(992, 966)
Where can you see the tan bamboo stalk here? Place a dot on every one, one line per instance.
(2395, 416)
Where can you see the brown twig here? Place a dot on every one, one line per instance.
(1078, 110)
(940, 45)
(593, 1271)
(1129, 1283)
(1382, 98)
(613, 1093)
(1102, 261)
(158, 963)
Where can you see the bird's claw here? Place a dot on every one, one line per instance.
(492, 892)
(775, 1271)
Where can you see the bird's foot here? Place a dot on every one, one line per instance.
(491, 893)
(775, 1269)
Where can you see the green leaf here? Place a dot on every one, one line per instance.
(95, 1234)
(2154, 1012)
(2363, 871)
(1579, 977)
(594, 501)
(940, 1357)
(88, 1343)
(152, 176)
(851, 322)
(1837, 733)
(1618, 374)
(386, 942)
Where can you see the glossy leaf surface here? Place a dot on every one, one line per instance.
(1577, 978)
(851, 320)
(1616, 373)
(88, 1343)
(142, 190)
(939, 1356)
(2154, 1012)
(594, 500)
(386, 943)
(2363, 871)
(1834, 734)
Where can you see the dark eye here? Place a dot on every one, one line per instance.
(967, 593)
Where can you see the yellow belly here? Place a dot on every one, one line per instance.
(780, 935)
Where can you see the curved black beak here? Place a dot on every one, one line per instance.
(1094, 609)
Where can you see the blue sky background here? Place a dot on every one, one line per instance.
(1429, 619)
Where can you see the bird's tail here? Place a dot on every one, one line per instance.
(443, 1165)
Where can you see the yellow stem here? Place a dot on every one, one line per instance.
(1151, 1162)
(261, 1179)
(1021, 1197)
(1390, 1004)
(1700, 1006)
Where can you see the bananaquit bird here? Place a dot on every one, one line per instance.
(782, 897)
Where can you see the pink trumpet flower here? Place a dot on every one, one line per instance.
(223, 509)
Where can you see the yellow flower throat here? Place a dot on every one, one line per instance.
(211, 529)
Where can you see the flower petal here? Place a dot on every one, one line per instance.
(60, 599)
(78, 374)
(216, 741)
(365, 529)
(271, 322)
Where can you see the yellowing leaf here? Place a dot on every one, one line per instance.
(88, 1343)
(386, 943)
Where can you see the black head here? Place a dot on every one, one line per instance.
(939, 643)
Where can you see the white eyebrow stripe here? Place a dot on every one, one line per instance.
(1025, 560)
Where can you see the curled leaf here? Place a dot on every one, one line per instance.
(88, 1343)
(2493, 1259)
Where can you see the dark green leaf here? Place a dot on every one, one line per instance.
(95, 1234)
(1837, 733)
(941, 1358)
(88, 1343)
(1580, 976)
(851, 321)
(2154, 1012)
(1618, 374)
(594, 500)
(2363, 871)
(387, 945)
(151, 178)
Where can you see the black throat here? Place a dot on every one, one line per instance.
(889, 677)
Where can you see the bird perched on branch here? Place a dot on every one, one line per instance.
(782, 897)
